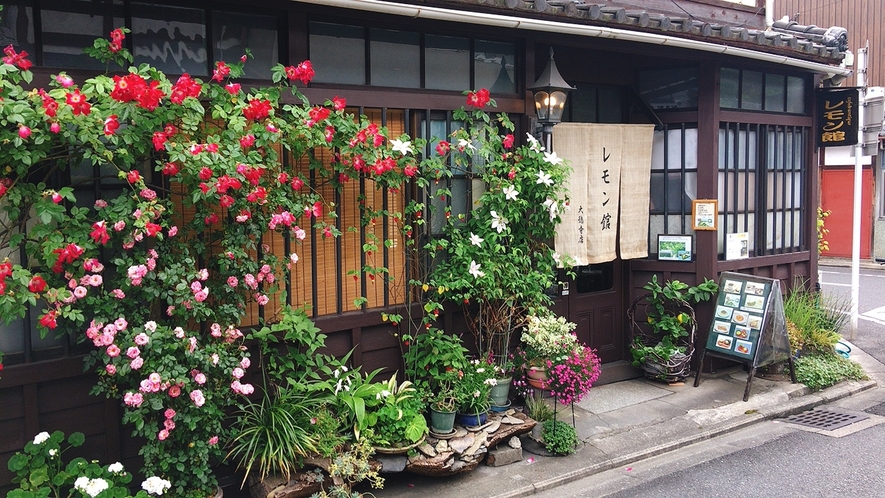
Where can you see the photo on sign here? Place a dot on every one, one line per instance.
(724, 312)
(732, 286)
(721, 327)
(741, 332)
(755, 288)
(704, 214)
(733, 300)
(724, 341)
(740, 317)
(744, 347)
(755, 322)
(674, 247)
(754, 302)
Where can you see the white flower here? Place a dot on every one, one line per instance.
(476, 393)
(491, 382)
(115, 468)
(499, 223)
(81, 483)
(510, 193)
(557, 258)
(475, 239)
(41, 438)
(474, 270)
(383, 394)
(480, 370)
(552, 207)
(155, 485)
(544, 178)
(403, 148)
(53, 452)
(533, 142)
(462, 143)
(91, 487)
(552, 158)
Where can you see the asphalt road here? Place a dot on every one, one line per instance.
(775, 459)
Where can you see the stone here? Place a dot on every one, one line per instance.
(514, 442)
(459, 432)
(427, 450)
(462, 443)
(509, 430)
(442, 446)
(499, 457)
(492, 426)
(300, 485)
(510, 420)
(478, 442)
(392, 463)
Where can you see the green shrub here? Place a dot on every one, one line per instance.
(559, 438)
(823, 370)
(814, 320)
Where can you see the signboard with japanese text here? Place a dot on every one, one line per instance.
(837, 117)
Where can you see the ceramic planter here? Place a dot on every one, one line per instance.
(472, 419)
(501, 392)
(441, 422)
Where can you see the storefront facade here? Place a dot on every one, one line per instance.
(731, 102)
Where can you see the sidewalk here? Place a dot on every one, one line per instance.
(633, 420)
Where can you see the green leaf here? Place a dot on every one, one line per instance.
(76, 439)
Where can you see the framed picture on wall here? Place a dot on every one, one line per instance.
(705, 214)
(674, 247)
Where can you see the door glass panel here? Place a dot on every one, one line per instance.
(338, 53)
(594, 278)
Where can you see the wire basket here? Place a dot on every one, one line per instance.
(677, 366)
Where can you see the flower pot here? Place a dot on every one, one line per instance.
(500, 392)
(441, 422)
(536, 373)
(536, 383)
(472, 419)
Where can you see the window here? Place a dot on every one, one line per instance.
(674, 173)
(594, 104)
(756, 91)
(762, 185)
(675, 88)
(395, 58)
(173, 39)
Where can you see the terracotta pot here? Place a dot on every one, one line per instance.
(536, 373)
(537, 383)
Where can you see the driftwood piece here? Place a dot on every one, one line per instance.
(300, 485)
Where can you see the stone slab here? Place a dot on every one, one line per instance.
(503, 455)
(610, 397)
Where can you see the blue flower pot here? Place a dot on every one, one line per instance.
(472, 420)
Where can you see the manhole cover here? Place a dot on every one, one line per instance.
(825, 419)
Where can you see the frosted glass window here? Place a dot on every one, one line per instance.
(446, 63)
(751, 91)
(775, 92)
(729, 87)
(172, 39)
(493, 66)
(395, 58)
(234, 32)
(338, 53)
(795, 95)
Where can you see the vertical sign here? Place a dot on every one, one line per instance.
(837, 116)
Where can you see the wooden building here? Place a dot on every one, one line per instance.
(732, 103)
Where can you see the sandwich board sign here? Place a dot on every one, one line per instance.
(749, 325)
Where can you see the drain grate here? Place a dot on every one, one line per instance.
(825, 419)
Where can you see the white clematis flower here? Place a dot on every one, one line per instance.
(552, 158)
(552, 207)
(533, 143)
(404, 148)
(464, 143)
(510, 193)
(475, 239)
(474, 270)
(544, 178)
(499, 223)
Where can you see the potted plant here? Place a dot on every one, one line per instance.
(397, 422)
(663, 339)
(443, 405)
(472, 391)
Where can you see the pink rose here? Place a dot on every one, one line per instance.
(136, 363)
(174, 391)
(141, 339)
(197, 398)
(169, 413)
(200, 378)
(133, 352)
(238, 373)
(213, 440)
(245, 363)
(163, 434)
(113, 351)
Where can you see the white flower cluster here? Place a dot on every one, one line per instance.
(155, 485)
(549, 336)
(91, 487)
(41, 438)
